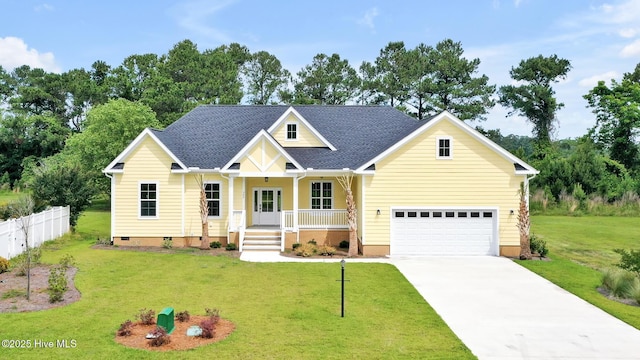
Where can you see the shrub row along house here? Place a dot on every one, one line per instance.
(270, 178)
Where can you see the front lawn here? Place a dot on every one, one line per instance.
(579, 246)
(281, 310)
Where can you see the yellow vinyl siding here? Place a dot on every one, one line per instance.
(217, 226)
(476, 176)
(305, 137)
(148, 163)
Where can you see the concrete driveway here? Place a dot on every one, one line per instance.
(500, 310)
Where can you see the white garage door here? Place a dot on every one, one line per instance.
(443, 232)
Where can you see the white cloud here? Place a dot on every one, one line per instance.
(630, 50)
(14, 53)
(43, 7)
(626, 12)
(592, 81)
(628, 32)
(196, 16)
(368, 17)
(517, 3)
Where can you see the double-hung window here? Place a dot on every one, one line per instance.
(443, 148)
(148, 200)
(321, 195)
(212, 192)
(292, 131)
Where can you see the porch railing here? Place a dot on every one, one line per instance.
(315, 219)
(237, 224)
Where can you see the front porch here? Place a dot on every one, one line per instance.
(327, 226)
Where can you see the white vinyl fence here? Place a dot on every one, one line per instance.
(43, 226)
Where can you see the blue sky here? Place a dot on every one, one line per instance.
(600, 38)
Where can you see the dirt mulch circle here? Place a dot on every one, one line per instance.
(179, 338)
(39, 298)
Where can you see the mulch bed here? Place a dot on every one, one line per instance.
(179, 338)
(39, 298)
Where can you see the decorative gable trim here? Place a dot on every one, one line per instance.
(294, 112)
(445, 115)
(134, 144)
(261, 135)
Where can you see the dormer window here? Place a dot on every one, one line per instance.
(443, 148)
(292, 131)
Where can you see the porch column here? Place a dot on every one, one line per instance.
(295, 203)
(232, 220)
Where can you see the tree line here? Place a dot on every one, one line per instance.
(70, 125)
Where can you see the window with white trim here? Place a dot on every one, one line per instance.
(148, 200)
(321, 195)
(443, 145)
(212, 192)
(292, 131)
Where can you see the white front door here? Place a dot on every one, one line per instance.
(267, 206)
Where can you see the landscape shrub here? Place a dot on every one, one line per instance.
(231, 247)
(312, 242)
(183, 316)
(215, 245)
(608, 276)
(326, 250)
(306, 250)
(295, 245)
(619, 282)
(159, 337)
(4, 265)
(57, 283)
(634, 292)
(629, 260)
(208, 328)
(344, 244)
(67, 261)
(213, 314)
(125, 328)
(146, 317)
(537, 245)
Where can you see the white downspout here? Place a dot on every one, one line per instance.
(526, 188)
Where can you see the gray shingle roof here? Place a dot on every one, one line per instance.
(209, 136)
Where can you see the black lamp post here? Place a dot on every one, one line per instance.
(342, 308)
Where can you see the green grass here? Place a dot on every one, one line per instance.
(7, 196)
(579, 246)
(588, 240)
(281, 310)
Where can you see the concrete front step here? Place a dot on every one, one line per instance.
(262, 242)
(260, 247)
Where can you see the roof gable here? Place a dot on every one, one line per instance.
(262, 153)
(307, 135)
(117, 165)
(520, 167)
